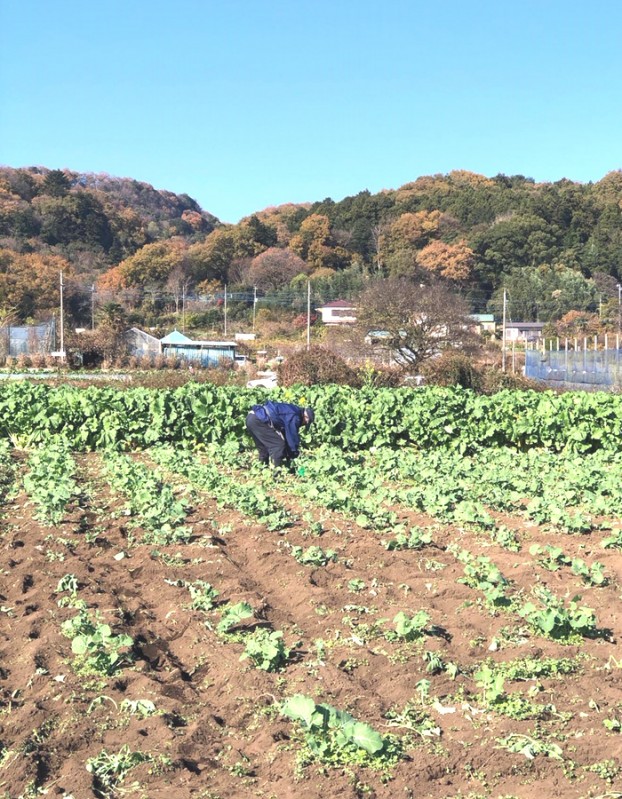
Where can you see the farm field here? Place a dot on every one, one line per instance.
(180, 622)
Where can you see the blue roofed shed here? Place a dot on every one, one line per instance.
(207, 353)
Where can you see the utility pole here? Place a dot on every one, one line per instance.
(226, 310)
(183, 307)
(62, 321)
(308, 314)
(505, 302)
(619, 307)
(254, 305)
(93, 306)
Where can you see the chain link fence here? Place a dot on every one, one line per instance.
(577, 367)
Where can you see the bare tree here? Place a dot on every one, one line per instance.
(378, 233)
(178, 284)
(412, 321)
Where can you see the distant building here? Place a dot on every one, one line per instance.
(207, 353)
(523, 331)
(140, 343)
(28, 339)
(484, 323)
(338, 312)
(178, 345)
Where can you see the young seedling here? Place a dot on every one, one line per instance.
(266, 650)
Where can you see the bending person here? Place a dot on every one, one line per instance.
(275, 427)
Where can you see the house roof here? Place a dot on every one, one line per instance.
(526, 325)
(140, 332)
(175, 338)
(207, 343)
(338, 304)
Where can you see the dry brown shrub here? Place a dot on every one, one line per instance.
(145, 362)
(494, 379)
(316, 366)
(452, 368)
(23, 361)
(37, 360)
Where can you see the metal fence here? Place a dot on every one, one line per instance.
(576, 366)
(28, 339)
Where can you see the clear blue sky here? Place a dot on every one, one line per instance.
(244, 104)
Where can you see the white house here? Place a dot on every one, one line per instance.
(338, 312)
(523, 331)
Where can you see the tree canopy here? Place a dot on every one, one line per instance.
(551, 245)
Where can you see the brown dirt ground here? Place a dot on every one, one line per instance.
(218, 731)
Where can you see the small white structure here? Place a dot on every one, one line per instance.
(523, 331)
(338, 312)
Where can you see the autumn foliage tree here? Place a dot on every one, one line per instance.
(579, 324)
(399, 242)
(275, 268)
(449, 261)
(314, 244)
(153, 263)
(29, 282)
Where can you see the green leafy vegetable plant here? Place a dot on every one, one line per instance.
(266, 649)
(591, 575)
(313, 555)
(550, 557)
(553, 620)
(416, 538)
(530, 747)
(98, 650)
(50, 481)
(409, 628)
(232, 615)
(109, 769)
(336, 738)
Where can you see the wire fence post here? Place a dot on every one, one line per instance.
(566, 360)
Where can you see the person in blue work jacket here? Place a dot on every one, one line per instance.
(275, 427)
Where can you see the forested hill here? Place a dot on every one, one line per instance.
(553, 246)
(91, 219)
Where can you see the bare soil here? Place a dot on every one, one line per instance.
(218, 731)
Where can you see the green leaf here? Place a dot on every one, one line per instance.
(299, 708)
(367, 738)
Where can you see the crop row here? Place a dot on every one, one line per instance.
(353, 419)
